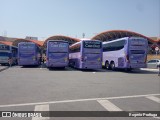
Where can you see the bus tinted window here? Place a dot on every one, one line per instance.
(4, 47)
(92, 44)
(113, 46)
(58, 47)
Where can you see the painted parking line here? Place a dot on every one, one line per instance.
(77, 100)
(108, 105)
(41, 108)
(153, 98)
(149, 69)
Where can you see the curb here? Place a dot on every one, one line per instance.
(4, 68)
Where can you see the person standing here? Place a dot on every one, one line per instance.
(10, 62)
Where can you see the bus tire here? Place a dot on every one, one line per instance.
(112, 65)
(107, 66)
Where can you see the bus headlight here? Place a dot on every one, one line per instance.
(65, 59)
(99, 59)
(34, 58)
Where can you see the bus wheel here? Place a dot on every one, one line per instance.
(112, 66)
(107, 65)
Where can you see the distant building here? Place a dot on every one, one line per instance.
(31, 38)
(155, 38)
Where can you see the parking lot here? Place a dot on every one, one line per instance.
(41, 89)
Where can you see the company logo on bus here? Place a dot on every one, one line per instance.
(92, 44)
(27, 46)
(58, 44)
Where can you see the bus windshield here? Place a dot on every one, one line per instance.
(58, 46)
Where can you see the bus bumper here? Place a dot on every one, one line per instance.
(91, 66)
(136, 65)
(22, 63)
(56, 64)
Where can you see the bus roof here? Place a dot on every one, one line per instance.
(26, 43)
(124, 38)
(57, 41)
(61, 37)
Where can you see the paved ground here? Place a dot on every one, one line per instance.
(3, 68)
(34, 89)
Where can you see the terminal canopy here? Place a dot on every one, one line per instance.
(6, 43)
(61, 37)
(115, 34)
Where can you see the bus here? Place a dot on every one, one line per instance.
(28, 54)
(8, 55)
(57, 53)
(86, 54)
(126, 53)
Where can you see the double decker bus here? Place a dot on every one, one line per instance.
(8, 55)
(28, 54)
(86, 54)
(57, 53)
(126, 53)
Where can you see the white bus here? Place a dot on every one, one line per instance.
(126, 53)
(86, 54)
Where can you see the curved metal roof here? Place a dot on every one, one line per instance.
(6, 43)
(114, 34)
(39, 43)
(61, 37)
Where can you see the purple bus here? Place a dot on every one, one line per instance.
(86, 54)
(126, 53)
(28, 54)
(57, 53)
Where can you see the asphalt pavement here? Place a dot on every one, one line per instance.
(3, 68)
(39, 88)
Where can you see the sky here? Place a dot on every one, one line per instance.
(45, 18)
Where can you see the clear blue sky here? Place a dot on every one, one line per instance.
(44, 18)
